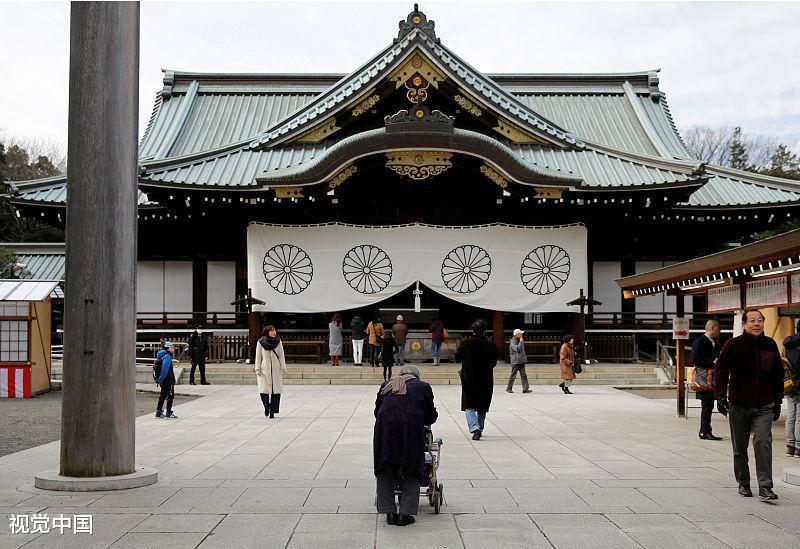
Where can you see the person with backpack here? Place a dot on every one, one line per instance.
(198, 353)
(270, 366)
(165, 379)
(791, 346)
(375, 337)
(437, 338)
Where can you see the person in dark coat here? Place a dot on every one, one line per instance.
(403, 408)
(357, 331)
(388, 349)
(792, 347)
(198, 353)
(749, 384)
(705, 350)
(437, 338)
(478, 357)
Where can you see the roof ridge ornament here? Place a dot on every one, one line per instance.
(419, 117)
(416, 20)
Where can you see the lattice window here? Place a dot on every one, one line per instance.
(796, 288)
(14, 308)
(14, 340)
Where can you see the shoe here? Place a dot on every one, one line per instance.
(192, 383)
(266, 412)
(709, 436)
(561, 384)
(527, 391)
(509, 390)
(745, 491)
(204, 383)
(403, 520)
(567, 391)
(791, 451)
(170, 415)
(391, 518)
(159, 414)
(766, 494)
(272, 416)
(476, 435)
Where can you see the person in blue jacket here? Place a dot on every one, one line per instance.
(167, 381)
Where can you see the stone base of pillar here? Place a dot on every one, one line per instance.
(51, 480)
(792, 476)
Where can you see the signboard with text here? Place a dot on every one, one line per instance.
(680, 328)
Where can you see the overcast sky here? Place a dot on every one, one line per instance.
(722, 64)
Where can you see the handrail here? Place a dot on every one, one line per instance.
(665, 361)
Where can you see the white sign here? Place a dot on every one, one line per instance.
(334, 267)
(680, 328)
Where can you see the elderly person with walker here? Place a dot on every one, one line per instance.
(403, 409)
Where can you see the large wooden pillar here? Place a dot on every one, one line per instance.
(497, 332)
(98, 405)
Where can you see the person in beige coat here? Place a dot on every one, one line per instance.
(567, 363)
(270, 365)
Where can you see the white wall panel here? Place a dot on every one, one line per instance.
(178, 286)
(221, 285)
(150, 287)
(604, 285)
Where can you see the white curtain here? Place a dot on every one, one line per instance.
(333, 267)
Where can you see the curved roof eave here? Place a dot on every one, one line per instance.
(378, 141)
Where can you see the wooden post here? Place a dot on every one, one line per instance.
(497, 332)
(680, 362)
(98, 411)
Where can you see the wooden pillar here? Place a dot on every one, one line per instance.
(497, 332)
(254, 325)
(680, 363)
(98, 403)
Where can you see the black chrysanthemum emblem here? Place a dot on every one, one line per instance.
(288, 269)
(466, 269)
(545, 269)
(367, 269)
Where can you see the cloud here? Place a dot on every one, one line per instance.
(722, 64)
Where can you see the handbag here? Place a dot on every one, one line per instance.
(577, 368)
(702, 380)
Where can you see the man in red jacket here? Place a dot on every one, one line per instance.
(749, 373)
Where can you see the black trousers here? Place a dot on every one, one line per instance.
(272, 403)
(757, 421)
(387, 371)
(168, 394)
(706, 409)
(202, 365)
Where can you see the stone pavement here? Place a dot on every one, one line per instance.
(600, 469)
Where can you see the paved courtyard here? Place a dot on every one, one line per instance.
(601, 469)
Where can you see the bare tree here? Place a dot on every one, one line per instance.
(38, 147)
(715, 146)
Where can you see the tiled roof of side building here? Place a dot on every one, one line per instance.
(50, 191)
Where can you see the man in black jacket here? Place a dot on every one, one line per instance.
(750, 374)
(705, 351)
(198, 353)
(478, 357)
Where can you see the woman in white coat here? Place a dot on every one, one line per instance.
(270, 365)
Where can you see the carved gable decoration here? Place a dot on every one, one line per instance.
(419, 165)
(419, 118)
(417, 66)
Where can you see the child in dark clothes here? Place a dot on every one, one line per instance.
(388, 350)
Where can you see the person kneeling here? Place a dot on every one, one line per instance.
(403, 408)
